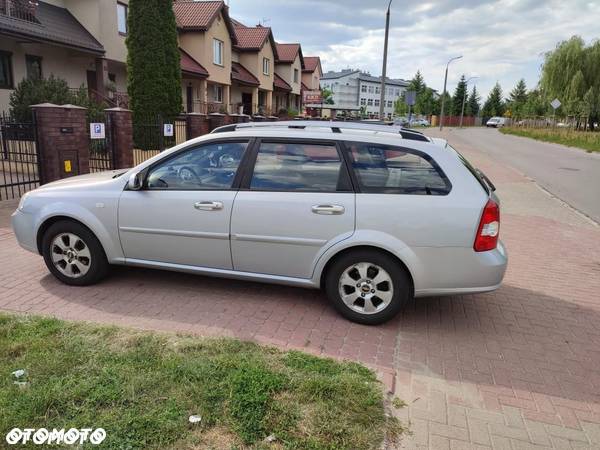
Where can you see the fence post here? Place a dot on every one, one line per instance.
(62, 141)
(121, 137)
(197, 125)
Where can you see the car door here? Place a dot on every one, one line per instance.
(295, 202)
(182, 213)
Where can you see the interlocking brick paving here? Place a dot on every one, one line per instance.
(514, 369)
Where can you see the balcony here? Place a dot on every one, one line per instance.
(19, 9)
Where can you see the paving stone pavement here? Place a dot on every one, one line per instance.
(514, 369)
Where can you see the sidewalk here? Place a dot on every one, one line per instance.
(515, 369)
(518, 368)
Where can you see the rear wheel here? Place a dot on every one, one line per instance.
(73, 254)
(367, 286)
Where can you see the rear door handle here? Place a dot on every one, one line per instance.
(328, 210)
(208, 206)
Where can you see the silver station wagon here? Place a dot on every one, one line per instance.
(372, 214)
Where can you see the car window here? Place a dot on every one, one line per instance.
(394, 170)
(210, 166)
(296, 167)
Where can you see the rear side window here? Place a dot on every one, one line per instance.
(471, 169)
(394, 170)
(293, 166)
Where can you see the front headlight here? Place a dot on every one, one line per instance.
(22, 201)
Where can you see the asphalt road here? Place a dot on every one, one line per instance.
(570, 174)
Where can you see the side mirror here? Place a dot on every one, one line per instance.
(136, 181)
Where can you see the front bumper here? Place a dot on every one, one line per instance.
(24, 228)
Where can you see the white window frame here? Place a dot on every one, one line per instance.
(363, 88)
(218, 47)
(266, 66)
(296, 75)
(363, 101)
(370, 102)
(376, 102)
(125, 8)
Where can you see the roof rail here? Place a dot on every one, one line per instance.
(334, 126)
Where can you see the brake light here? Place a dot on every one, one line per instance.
(489, 228)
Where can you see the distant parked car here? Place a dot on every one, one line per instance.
(372, 214)
(496, 122)
(419, 123)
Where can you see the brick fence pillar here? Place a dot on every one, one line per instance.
(63, 141)
(197, 125)
(216, 120)
(119, 120)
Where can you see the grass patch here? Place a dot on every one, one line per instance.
(586, 140)
(141, 388)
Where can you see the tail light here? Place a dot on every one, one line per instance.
(489, 228)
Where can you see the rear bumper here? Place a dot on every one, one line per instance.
(23, 226)
(461, 271)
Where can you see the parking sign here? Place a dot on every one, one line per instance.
(168, 129)
(97, 131)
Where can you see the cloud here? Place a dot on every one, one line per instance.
(501, 40)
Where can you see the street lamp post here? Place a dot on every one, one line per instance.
(462, 111)
(444, 94)
(384, 69)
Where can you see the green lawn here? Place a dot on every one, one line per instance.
(141, 387)
(585, 140)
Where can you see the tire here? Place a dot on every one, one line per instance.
(83, 259)
(381, 302)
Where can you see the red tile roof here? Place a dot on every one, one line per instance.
(280, 83)
(196, 15)
(287, 52)
(311, 63)
(242, 75)
(304, 87)
(251, 38)
(190, 66)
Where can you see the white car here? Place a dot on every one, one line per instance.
(496, 122)
(373, 214)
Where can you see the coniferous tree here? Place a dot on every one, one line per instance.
(517, 99)
(473, 105)
(153, 67)
(494, 105)
(459, 95)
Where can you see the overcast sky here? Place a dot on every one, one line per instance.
(500, 40)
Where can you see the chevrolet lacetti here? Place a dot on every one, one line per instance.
(372, 214)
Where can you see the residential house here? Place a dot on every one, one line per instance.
(206, 37)
(255, 53)
(81, 42)
(288, 77)
(312, 73)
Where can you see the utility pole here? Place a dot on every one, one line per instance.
(384, 70)
(444, 93)
(462, 111)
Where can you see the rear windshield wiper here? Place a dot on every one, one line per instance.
(486, 179)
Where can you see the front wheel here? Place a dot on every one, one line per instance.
(73, 254)
(367, 286)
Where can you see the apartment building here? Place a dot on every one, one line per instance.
(354, 89)
(226, 66)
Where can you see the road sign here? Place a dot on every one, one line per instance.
(168, 129)
(410, 97)
(97, 131)
(555, 103)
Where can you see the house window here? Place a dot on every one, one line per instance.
(218, 93)
(33, 65)
(6, 75)
(390, 104)
(376, 102)
(363, 88)
(370, 102)
(218, 52)
(363, 101)
(266, 66)
(377, 89)
(296, 75)
(371, 89)
(122, 17)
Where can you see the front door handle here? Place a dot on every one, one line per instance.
(328, 210)
(208, 206)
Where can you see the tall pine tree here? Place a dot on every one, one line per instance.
(494, 105)
(517, 99)
(153, 68)
(473, 105)
(459, 94)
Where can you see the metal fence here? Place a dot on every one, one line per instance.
(19, 158)
(101, 149)
(153, 135)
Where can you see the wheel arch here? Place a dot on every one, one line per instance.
(333, 258)
(48, 222)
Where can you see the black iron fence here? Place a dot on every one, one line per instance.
(19, 158)
(155, 134)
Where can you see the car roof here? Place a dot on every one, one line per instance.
(331, 126)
